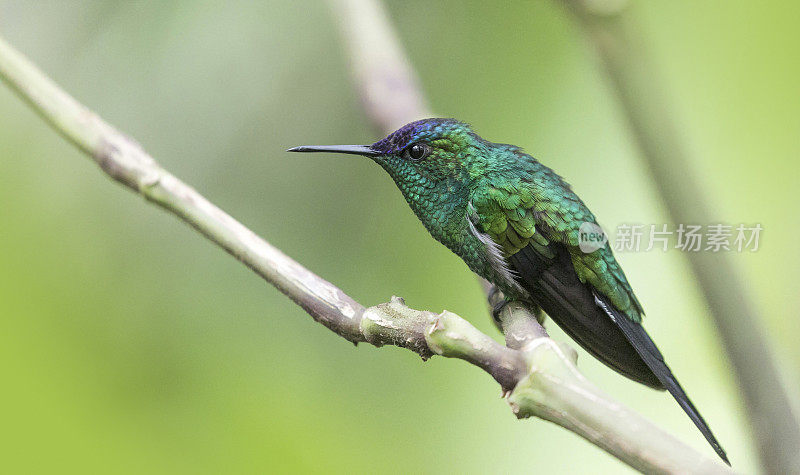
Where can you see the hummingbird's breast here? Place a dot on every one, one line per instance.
(442, 210)
(441, 205)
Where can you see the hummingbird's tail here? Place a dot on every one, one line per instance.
(602, 330)
(638, 337)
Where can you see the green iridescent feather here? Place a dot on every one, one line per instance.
(538, 208)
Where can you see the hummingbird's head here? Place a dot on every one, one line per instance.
(426, 154)
(435, 163)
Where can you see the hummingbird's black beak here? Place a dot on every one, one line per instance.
(364, 150)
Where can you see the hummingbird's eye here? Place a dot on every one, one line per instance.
(417, 151)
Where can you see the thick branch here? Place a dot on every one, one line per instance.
(125, 161)
(540, 377)
(616, 37)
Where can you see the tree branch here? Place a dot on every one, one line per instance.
(634, 77)
(539, 377)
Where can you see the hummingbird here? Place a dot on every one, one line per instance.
(518, 224)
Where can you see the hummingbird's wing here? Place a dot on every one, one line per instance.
(536, 227)
(536, 223)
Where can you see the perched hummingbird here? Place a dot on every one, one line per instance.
(516, 223)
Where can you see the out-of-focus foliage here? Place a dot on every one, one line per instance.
(131, 344)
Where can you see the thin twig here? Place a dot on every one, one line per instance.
(387, 85)
(616, 37)
(540, 379)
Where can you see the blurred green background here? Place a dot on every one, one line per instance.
(130, 344)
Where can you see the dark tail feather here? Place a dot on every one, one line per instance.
(640, 340)
(598, 327)
(555, 287)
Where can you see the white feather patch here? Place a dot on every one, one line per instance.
(494, 252)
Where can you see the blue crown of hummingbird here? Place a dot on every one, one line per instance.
(423, 131)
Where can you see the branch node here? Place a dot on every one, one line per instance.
(394, 323)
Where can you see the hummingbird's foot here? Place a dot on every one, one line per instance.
(497, 309)
(497, 302)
